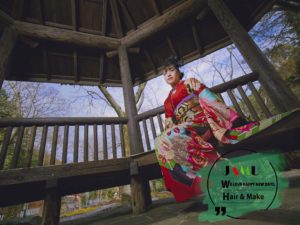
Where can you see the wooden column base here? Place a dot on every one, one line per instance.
(52, 203)
(140, 194)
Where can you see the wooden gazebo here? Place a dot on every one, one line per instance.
(119, 43)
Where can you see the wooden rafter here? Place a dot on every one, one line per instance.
(149, 59)
(5, 19)
(155, 7)
(196, 37)
(135, 50)
(104, 17)
(171, 46)
(75, 19)
(75, 64)
(101, 69)
(202, 14)
(7, 43)
(128, 15)
(46, 61)
(178, 13)
(66, 36)
(116, 17)
(40, 9)
(17, 10)
(113, 53)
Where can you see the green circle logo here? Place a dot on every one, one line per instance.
(237, 186)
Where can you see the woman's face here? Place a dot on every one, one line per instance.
(171, 75)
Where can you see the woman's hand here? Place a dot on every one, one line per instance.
(194, 86)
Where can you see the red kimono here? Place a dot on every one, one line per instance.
(195, 119)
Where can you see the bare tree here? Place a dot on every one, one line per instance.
(105, 96)
(29, 100)
(32, 100)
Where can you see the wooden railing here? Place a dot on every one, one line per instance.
(153, 119)
(236, 92)
(239, 85)
(92, 170)
(26, 132)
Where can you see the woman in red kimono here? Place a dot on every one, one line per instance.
(195, 119)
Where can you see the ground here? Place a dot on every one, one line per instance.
(168, 212)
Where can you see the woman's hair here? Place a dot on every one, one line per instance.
(174, 61)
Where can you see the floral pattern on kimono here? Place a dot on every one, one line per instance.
(195, 118)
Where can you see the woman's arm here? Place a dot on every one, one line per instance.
(195, 86)
(219, 116)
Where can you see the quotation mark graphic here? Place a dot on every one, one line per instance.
(220, 209)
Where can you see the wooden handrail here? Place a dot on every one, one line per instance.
(16, 122)
(217, 89)
(151, 120)
(235, 82)
(152, 112)
(50, 126)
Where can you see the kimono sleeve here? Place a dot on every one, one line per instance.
(218, 115)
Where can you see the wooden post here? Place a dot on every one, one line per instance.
(140, 201)
(139, 193)
(140, 190)
(7, 43)
(271, 81)
(136, 145)
(52, 203)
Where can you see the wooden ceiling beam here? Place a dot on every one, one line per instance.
(17, 10)
(7, 43)
(196, 37)
(75, 14)
(101, 69)
(116, 17)
(202, 14)
(5, 19)
(147, 30)
(135, 50)
(128, 15)
(113, 53)
(66, 36)
(150, 60)
(104, 17)
(155, 7)
(40, 9)
(171, 46)
(75, 64)
(46, 61)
